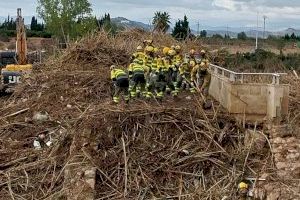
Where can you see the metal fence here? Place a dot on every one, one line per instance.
(274, 78)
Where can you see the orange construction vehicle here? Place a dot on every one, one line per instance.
(12, 74)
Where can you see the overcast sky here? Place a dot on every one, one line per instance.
(215, 13)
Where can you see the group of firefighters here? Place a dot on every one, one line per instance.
(154, 73)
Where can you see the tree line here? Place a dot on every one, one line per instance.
(292, 37)
(73, 18)
(36, 29)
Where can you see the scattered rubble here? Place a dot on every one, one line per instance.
(143, 150)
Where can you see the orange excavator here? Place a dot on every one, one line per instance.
(11, 74)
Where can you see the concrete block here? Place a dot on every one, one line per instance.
(261, 100)
(255, 90)
(243, 91)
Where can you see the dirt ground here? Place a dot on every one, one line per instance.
(33, 43)
(36, 43)
(244, 48)
(144, 150)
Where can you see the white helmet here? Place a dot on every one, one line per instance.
(112, 67)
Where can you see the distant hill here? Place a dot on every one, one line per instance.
(130, 24)
(289, 31)
(118, 20)
(121, 21)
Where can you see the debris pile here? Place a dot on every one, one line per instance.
(140, 151)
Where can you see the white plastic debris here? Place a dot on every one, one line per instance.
(49, 143)
(188, 98)
(40, 116)
(186, 152)
(37, 145)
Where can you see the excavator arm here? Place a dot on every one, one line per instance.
(21, 43)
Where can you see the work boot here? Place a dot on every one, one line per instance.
(168, 90)
(116, 100)
(174, 93)
(132, 94)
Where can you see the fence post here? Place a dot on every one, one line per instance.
(232, 77)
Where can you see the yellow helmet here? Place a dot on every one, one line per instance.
(178, 48)
(202, 64)
(155, 50)
(172, 52)
(243, 185)
(203, 51)
(149, 49)
(192, 51)
(166, 50)
(139, 48)
(112, 67)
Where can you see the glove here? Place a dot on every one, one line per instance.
(37, 144)
(132, 58)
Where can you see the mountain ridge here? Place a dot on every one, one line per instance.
(130, 24)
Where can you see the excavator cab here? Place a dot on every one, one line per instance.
(11, 76)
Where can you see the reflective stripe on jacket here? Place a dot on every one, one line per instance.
(117, 73)
(136, 68)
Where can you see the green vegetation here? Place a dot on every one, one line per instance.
(242, 36)
(203, 33)
(181, 29)
(9, 24)
(264, 61)
(161, 22)
(67, 19)
(217, 36)
(35, 26)
(291, 37)
(107, 25)
(8, 29)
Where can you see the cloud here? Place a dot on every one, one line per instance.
(270, 3)
(10, 7)
(227, 4)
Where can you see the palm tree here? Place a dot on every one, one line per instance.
(161, 21)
